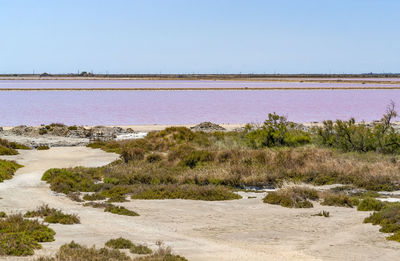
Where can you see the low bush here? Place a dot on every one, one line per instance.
(43, 147)
(94, 196)
(119, 243)
(338, 200)
(9, 148)
(7, 169)
(119, 210)
(140, 250)
(370, 204)
(76, 252)
(389, 220)
(20, 237)
(194, 192)
(75, 196)
(7, 151)
(292, 197)
(3, 214)
(52, 215)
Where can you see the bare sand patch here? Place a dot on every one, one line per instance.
(245, 229)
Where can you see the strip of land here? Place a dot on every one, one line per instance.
(211, 89)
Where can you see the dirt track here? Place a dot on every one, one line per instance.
(244, 229)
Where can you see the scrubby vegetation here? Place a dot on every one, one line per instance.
(338, 200)
(7, 169)
(179, 163)
(292, 197)
(76, 252)
(43, 147)
(20, 237)
(10, 148)
(389, 220)
(349, 136)
(119, 243)
(370, 204)
(119, 210)
(52, 215)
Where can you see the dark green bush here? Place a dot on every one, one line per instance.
(370, 204)
(140, 250)
(292, 197)
(20, 237)
(194, 192)
(338, 200)
(119, 210)
(196, 158)
(43, 147)
(7, 169)
(76, 252)
(275, 132)
(119, 243)
(52, 215)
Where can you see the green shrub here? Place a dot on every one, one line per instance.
(389, 220)
(370, 204)
(154, 157)
(196, 158)
(42, 131)
(20, 237)
(338, 200)
(292, 197)
(349, 136)
(94, 196)
(52, 215)
(140, 250)
(119, 243)
(3, 214)
(72, 128)
(76, 252)
(7, 169)
(194, 192)
(119, 210)
(7, 151)
(43, 147)
(275, 132)
(132, 153)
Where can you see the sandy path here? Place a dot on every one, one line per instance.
(243, 229)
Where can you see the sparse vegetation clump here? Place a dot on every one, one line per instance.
(349, 136)
(119, 243)
(120, 210)
(338, 200)
(20, 237)
(140, 250)
(7, 169)
(77, 252)
(389, 220)
(209, 192)
(370, 204)
(292, 197)
(52, 215)
(10, 148)
(43, 147)
(323, 213)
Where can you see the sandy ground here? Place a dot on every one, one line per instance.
(245, 229)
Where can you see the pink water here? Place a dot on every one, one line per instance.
(173, 84)
(189, 107)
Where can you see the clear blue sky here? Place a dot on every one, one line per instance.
(200, 36)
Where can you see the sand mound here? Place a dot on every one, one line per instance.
(207, 127)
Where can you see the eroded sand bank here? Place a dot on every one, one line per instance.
(245, 229)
